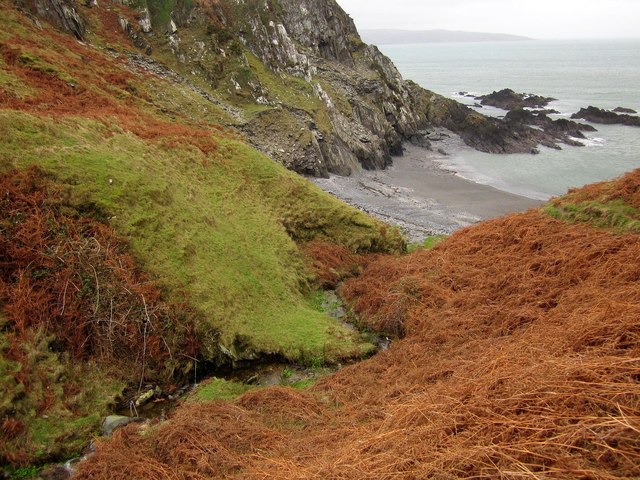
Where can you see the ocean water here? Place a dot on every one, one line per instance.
(601, 73)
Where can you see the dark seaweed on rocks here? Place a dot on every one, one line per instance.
(624, 110)
(486, 134)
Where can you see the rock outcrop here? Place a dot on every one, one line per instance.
(61, 13)
(507, 99)
(563, 130)
(483, 133)
(607, 117)
(303, 86)
(625, 110)
(367, 112)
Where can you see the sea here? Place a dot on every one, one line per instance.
(579, 73)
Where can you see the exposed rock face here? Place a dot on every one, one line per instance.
(598, 115)
(63, 14)
(369, 107)
(135, 36)
(145, 20)
(507, 99)
(322, 27)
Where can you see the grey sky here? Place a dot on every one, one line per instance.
(533, 18)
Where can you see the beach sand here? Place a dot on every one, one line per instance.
(421, 197)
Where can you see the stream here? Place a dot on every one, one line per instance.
(150, 403)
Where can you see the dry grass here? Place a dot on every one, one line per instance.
(521, 360)
(70, 292)
(333, 263)
(626, 189)
(68, 275)
(71, 81)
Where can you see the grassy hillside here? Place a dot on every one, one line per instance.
(519, 360)
(607, 205)
(215, 226)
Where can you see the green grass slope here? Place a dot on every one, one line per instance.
(216, 224)
(613, 206)
(219, 229)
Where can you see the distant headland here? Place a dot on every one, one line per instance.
(389, 37)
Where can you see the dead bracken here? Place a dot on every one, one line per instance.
(521, 359)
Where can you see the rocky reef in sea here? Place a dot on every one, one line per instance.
(507, 99)
(619, 116)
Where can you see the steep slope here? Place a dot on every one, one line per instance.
(520, 360)
(149, 237)
(310, 93)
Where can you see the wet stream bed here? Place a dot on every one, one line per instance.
(148, 403)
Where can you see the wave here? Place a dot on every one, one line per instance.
(592, 141)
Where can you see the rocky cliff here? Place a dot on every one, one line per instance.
(295, 78)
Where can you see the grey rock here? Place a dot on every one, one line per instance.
(145, 397)
(145, 20)
(134, 35)
(368, 109)
(112, 422)
(63, 14)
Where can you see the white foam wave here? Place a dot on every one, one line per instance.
(593, 141)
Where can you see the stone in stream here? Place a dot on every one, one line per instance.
(144, 397)
(55, 472)
(113, 422)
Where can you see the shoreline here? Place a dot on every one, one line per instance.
(421, 197)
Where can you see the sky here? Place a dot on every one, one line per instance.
(543, 19)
